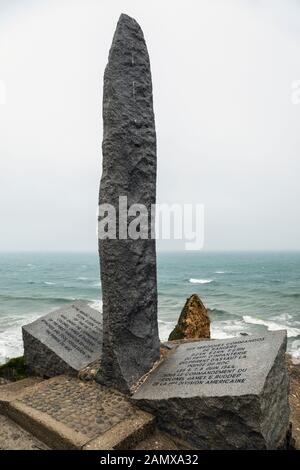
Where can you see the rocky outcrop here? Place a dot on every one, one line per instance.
(194, 322)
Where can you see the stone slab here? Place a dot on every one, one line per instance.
(14, 390)
(67, 413)
(222, 394)
(63, 341)
(126, 434)
(160, 441)
(13, 437)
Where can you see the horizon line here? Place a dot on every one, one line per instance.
(217, 250)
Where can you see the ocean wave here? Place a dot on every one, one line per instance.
(36, 298)
(218, 333)
(200, 281)
(226, 329)
(11, 342)
(218, 311)
(220, 272)
(165, 329)
(272, 326)
(283, 317)
(294, 295)
(82, 278)
(47, 283)
(295, 351)
(164, 322)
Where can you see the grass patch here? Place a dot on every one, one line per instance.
(14, 369)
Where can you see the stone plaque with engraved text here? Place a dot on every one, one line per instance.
(63, 341)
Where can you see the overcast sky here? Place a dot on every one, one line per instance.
(228, 133)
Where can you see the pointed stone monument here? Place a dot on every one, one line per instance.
(128, 266)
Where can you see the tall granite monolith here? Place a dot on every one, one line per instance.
(128, 266)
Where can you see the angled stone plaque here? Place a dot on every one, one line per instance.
(225, 394)
(63, 341)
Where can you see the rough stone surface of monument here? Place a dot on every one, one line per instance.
(63, 341)
(194, 322)
(128, 266)
(223, 394)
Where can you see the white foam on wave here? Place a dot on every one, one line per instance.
(96, 284)
(220, 272)
(82, 278)
(226, 329)
(217, 333)
(165, 328)
(273, 326)
(295, 351)
(283, 317)
(200, 281)
(11, 342)
(48, 283)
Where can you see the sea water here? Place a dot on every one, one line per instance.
(244, 292)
